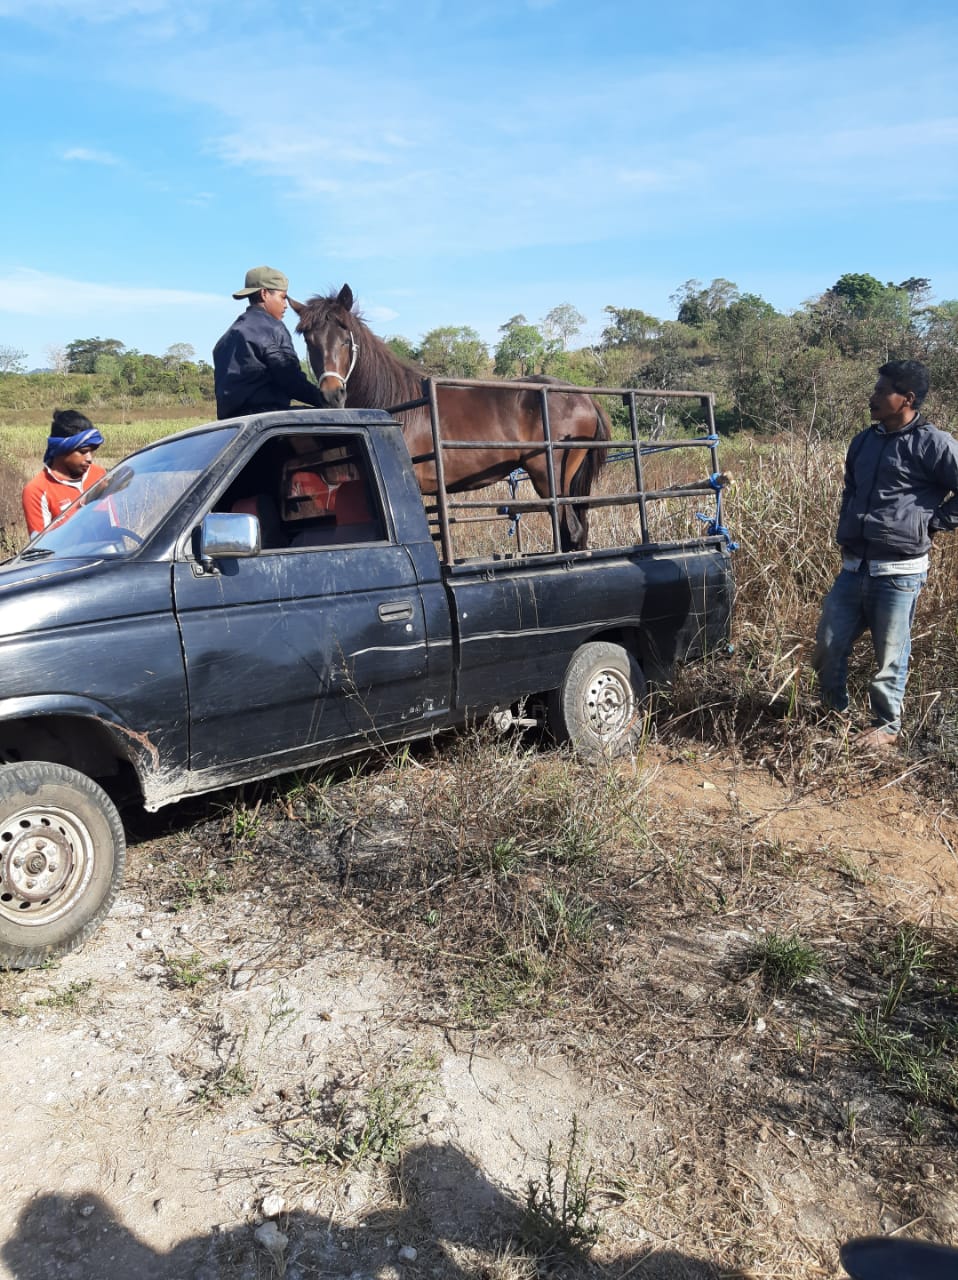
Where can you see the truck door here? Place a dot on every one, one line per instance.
(320, 638)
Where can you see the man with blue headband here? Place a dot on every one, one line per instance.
(68, 469)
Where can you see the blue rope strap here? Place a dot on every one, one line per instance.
(713, 525)
(514, 479)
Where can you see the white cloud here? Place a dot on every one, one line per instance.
(35, 293)
(90, 156)
(379, 314)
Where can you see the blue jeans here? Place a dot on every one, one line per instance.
(885, 606)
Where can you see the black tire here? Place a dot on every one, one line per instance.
(598, 706)
(62, 854)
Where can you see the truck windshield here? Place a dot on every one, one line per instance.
(124, 508)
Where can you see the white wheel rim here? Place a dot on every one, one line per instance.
(47, 858)
(609, 704)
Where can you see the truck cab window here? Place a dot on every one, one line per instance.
(309, 491)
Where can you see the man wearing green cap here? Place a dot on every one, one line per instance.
(255, 366)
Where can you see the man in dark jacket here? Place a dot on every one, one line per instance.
(255, 366)
(901, 488)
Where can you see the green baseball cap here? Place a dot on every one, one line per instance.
(262, 278)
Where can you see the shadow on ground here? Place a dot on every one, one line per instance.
(451, 1213)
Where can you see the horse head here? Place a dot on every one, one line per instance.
(328, 328)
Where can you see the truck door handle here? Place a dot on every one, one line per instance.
(395, 611)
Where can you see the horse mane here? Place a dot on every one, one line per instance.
(381, 378)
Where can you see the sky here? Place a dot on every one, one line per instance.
(462, 163)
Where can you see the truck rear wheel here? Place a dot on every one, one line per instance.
(62, 853)
(597, 708)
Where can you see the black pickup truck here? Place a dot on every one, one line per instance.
(251, 597)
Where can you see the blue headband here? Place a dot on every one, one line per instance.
(66, 444)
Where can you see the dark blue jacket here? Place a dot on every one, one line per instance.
(900, 487)
(256, 368)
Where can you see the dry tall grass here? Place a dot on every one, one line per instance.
(783, 510)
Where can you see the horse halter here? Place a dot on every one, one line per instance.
(353, 357)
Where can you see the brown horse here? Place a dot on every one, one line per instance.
(347, 357)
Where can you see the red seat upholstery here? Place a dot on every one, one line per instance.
(328, 503)
(350, 503)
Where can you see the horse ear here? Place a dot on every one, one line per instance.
(345, 298)
(298, 307)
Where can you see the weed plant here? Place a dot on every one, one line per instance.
(70, 997)
(331, 1129)
(559, 1222)
(784, 961)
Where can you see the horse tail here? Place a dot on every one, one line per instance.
(595, 459)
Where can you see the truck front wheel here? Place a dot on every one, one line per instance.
(62, 853)
(597, 708)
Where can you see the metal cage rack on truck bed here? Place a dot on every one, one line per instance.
(448, 509)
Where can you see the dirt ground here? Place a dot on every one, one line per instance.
(168, 1087)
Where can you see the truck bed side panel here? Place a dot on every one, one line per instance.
(518, 629)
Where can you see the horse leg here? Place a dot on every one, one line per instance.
(574, 528)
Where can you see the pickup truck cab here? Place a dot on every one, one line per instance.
(252, 597)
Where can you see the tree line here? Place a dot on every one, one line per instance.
(804, 371)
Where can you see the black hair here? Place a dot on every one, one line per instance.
(69, 422)
(907, 375)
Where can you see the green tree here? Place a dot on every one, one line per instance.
(674, 359)
(628, 327)
(860, 292)
(941, 353)
(867, 318)
(82, 353)
(453, 352)
(562, 323)
(521, 348)
(918, 290)
(697, 305)
(402, 348)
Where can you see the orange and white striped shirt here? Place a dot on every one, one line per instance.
(48, 494)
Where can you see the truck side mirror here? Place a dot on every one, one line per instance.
(227, 534)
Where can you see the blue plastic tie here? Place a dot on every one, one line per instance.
(514, 479)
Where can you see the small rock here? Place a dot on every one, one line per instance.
(272, 1205)
(408, 1254)
(145, 933)
(121, 909)
(85, 1210)
(927, 1169)
(760, 1025)
(709, 786)
(271, 1238)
